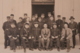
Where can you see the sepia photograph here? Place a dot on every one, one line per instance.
(39, 26)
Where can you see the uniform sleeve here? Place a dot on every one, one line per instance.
(49, 33)
(3, 26)
(63, 33)
(70, 34)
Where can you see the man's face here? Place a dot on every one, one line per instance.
(11, 17)
(45, 26)
(39, 19)
(8, 19)
(42, 16)
(54, 26)
(20, 20)
(65, 26)
(13, 25)
(51, 18)
(64, 19)
(33, 18)
(35, 25)
(36, 15)
(25, 16)
(49, 14)
(72, 20)
(26, 26)
(59, 17)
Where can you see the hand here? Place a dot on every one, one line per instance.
(9, 36)
(14, 38)
(45, 38)
(67, 38)
(61, 39)
(53, 37)
(24, 38)
(30, 37)
(17, 35)
(39, 36)
(56, 37)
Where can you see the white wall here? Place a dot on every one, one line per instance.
(67, 8)
(17, 7)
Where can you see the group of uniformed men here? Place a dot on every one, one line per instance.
(40, 32)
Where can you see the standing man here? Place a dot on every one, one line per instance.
(12, 19)
(64, 21)
(6, 28)
(45, 33)
(50, 22)
(43, 18)
(36, 17)
(73, 27)
(40, 23)
(26, 18)
(20, 27)
(66, 36)
(59, 23)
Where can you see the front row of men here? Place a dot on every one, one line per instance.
(45, 37)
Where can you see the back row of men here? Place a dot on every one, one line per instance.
(40, 29)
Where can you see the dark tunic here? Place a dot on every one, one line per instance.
(79, 27)
(59, 24)
(36, 32)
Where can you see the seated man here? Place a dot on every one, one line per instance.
(55, 33)
(66, 35)
(25, 32)
(13, 37)
(45, 33)
(36, 32)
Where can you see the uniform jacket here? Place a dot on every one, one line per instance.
(14, 32)
(36, 32)
(69, 35)
(59, 24)
(6, 27)
(45, 33)
(55, 32)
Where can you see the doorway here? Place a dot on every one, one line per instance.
(39, 9)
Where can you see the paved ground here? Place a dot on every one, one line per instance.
(2, 50)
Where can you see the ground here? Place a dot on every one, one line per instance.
(2, 50)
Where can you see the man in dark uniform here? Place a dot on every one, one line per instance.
(36, 17)
(36, 32)
(79, 32)
(50, 22)
(40, 23)
(43, 18)
(25, 17)
(20, 27)
(25, 33)
(6, 28)
(13, 37)
(73, 27)
(55, 33)
(59, 23)
(64, 21)
(12, 19)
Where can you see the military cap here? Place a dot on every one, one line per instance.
(26, 23)
(25, 13)
(8, 17)
(54, 24)
(72, 17)
(12, 15)
(59, 16)
(64, 18)
(35, 22)
(20, 18)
